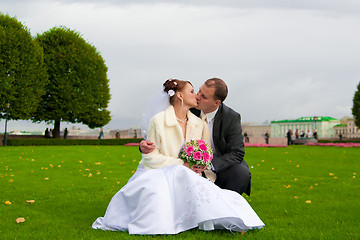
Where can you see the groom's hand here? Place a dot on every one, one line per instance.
(146, 147)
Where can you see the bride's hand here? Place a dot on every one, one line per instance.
(186, 164)
(196, 168)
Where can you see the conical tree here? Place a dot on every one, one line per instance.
(78, 89)
(356, 106)
(22, 72)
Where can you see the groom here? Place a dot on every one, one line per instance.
(232, 172)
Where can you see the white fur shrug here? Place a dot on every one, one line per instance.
(168, 138)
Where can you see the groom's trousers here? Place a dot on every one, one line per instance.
(236, 178)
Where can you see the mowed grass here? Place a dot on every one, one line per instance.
(300, 192)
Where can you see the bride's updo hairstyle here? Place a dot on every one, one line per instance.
(171, 86)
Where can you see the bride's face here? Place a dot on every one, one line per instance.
(189, 96)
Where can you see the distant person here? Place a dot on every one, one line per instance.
(47, 133)
(302, 134)
(101, 134)
(51, 133)
(308, 134)
(117, 135)
(65, 133)
(289, 136)
(135, 133)
(267, 136)
(246, 136)
(297, 134)
(340, 137)
(315, 134)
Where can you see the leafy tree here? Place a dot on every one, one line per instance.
(22, 72)
(78, 89)
(356, 106)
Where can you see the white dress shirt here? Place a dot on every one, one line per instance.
(210, 121)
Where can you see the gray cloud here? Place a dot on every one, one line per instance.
(280, 60)
(330, 7)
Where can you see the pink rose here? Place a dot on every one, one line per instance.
(199, 142)
(206, 157)
(189, 150)
(203, 147)
(198, 155)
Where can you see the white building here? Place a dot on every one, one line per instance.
(324, 126)
(347, 128)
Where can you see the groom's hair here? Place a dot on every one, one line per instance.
(221, 90)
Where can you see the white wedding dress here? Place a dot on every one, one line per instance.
(175, 199)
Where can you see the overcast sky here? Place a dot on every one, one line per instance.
(280, 59)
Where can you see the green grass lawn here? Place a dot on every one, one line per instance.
(300, 192)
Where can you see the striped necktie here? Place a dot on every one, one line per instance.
(205, 135)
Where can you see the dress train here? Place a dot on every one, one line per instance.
(175, 199)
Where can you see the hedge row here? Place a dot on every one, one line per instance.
(62, 142)
(342, 141)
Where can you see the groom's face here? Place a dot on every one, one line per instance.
(205, 99)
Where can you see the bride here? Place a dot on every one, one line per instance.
(165, 196)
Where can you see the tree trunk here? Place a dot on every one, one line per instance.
(56, 131)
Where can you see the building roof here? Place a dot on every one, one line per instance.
(307, 119)
(341, 125)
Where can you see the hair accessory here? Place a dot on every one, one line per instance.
(171, 92)
(170, 80)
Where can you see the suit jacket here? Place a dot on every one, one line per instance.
(227, 138)
(168, 138)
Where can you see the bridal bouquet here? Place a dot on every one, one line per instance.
(196, 152)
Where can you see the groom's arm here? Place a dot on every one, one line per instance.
(233, 150)
(146, 147)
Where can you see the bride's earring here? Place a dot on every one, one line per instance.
(181, 98)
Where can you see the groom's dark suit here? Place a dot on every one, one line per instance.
(231, 169)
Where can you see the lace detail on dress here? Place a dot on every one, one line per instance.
(198, 196)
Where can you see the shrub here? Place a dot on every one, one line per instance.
(342, 141)
(64, 142)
